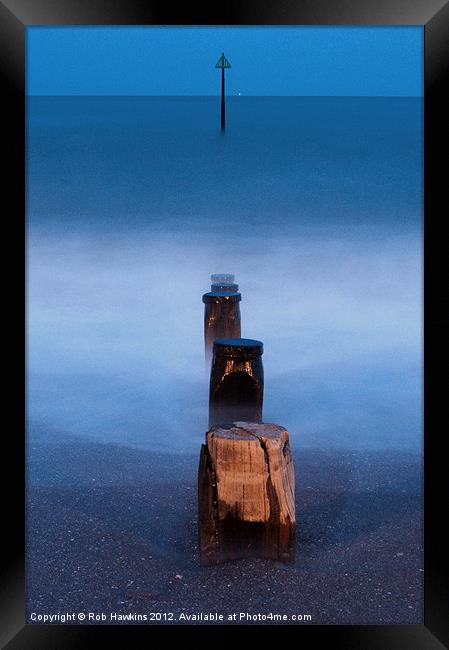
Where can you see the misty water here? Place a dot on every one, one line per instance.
(315, 204)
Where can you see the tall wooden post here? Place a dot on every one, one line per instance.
(221, 312)
(223, 63)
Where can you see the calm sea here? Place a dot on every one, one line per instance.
(315, 204)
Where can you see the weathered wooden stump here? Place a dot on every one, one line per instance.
(246, 494)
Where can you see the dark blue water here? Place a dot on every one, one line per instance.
(314, 203)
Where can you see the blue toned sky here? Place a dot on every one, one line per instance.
(265, 60)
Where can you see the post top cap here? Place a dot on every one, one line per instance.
(245, 348)
(223, 283)
(218, 278)
(222, 296)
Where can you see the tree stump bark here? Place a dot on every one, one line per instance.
(246, 494)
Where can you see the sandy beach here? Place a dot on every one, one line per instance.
(113, 530)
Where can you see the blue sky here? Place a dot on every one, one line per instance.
(265, 60)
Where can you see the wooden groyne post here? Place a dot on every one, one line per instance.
(221, 311)
(236, 381)
(246, 494)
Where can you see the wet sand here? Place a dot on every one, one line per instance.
(114, 529)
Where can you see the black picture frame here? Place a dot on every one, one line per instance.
(433, 15)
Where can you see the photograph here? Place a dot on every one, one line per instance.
(224, 401)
